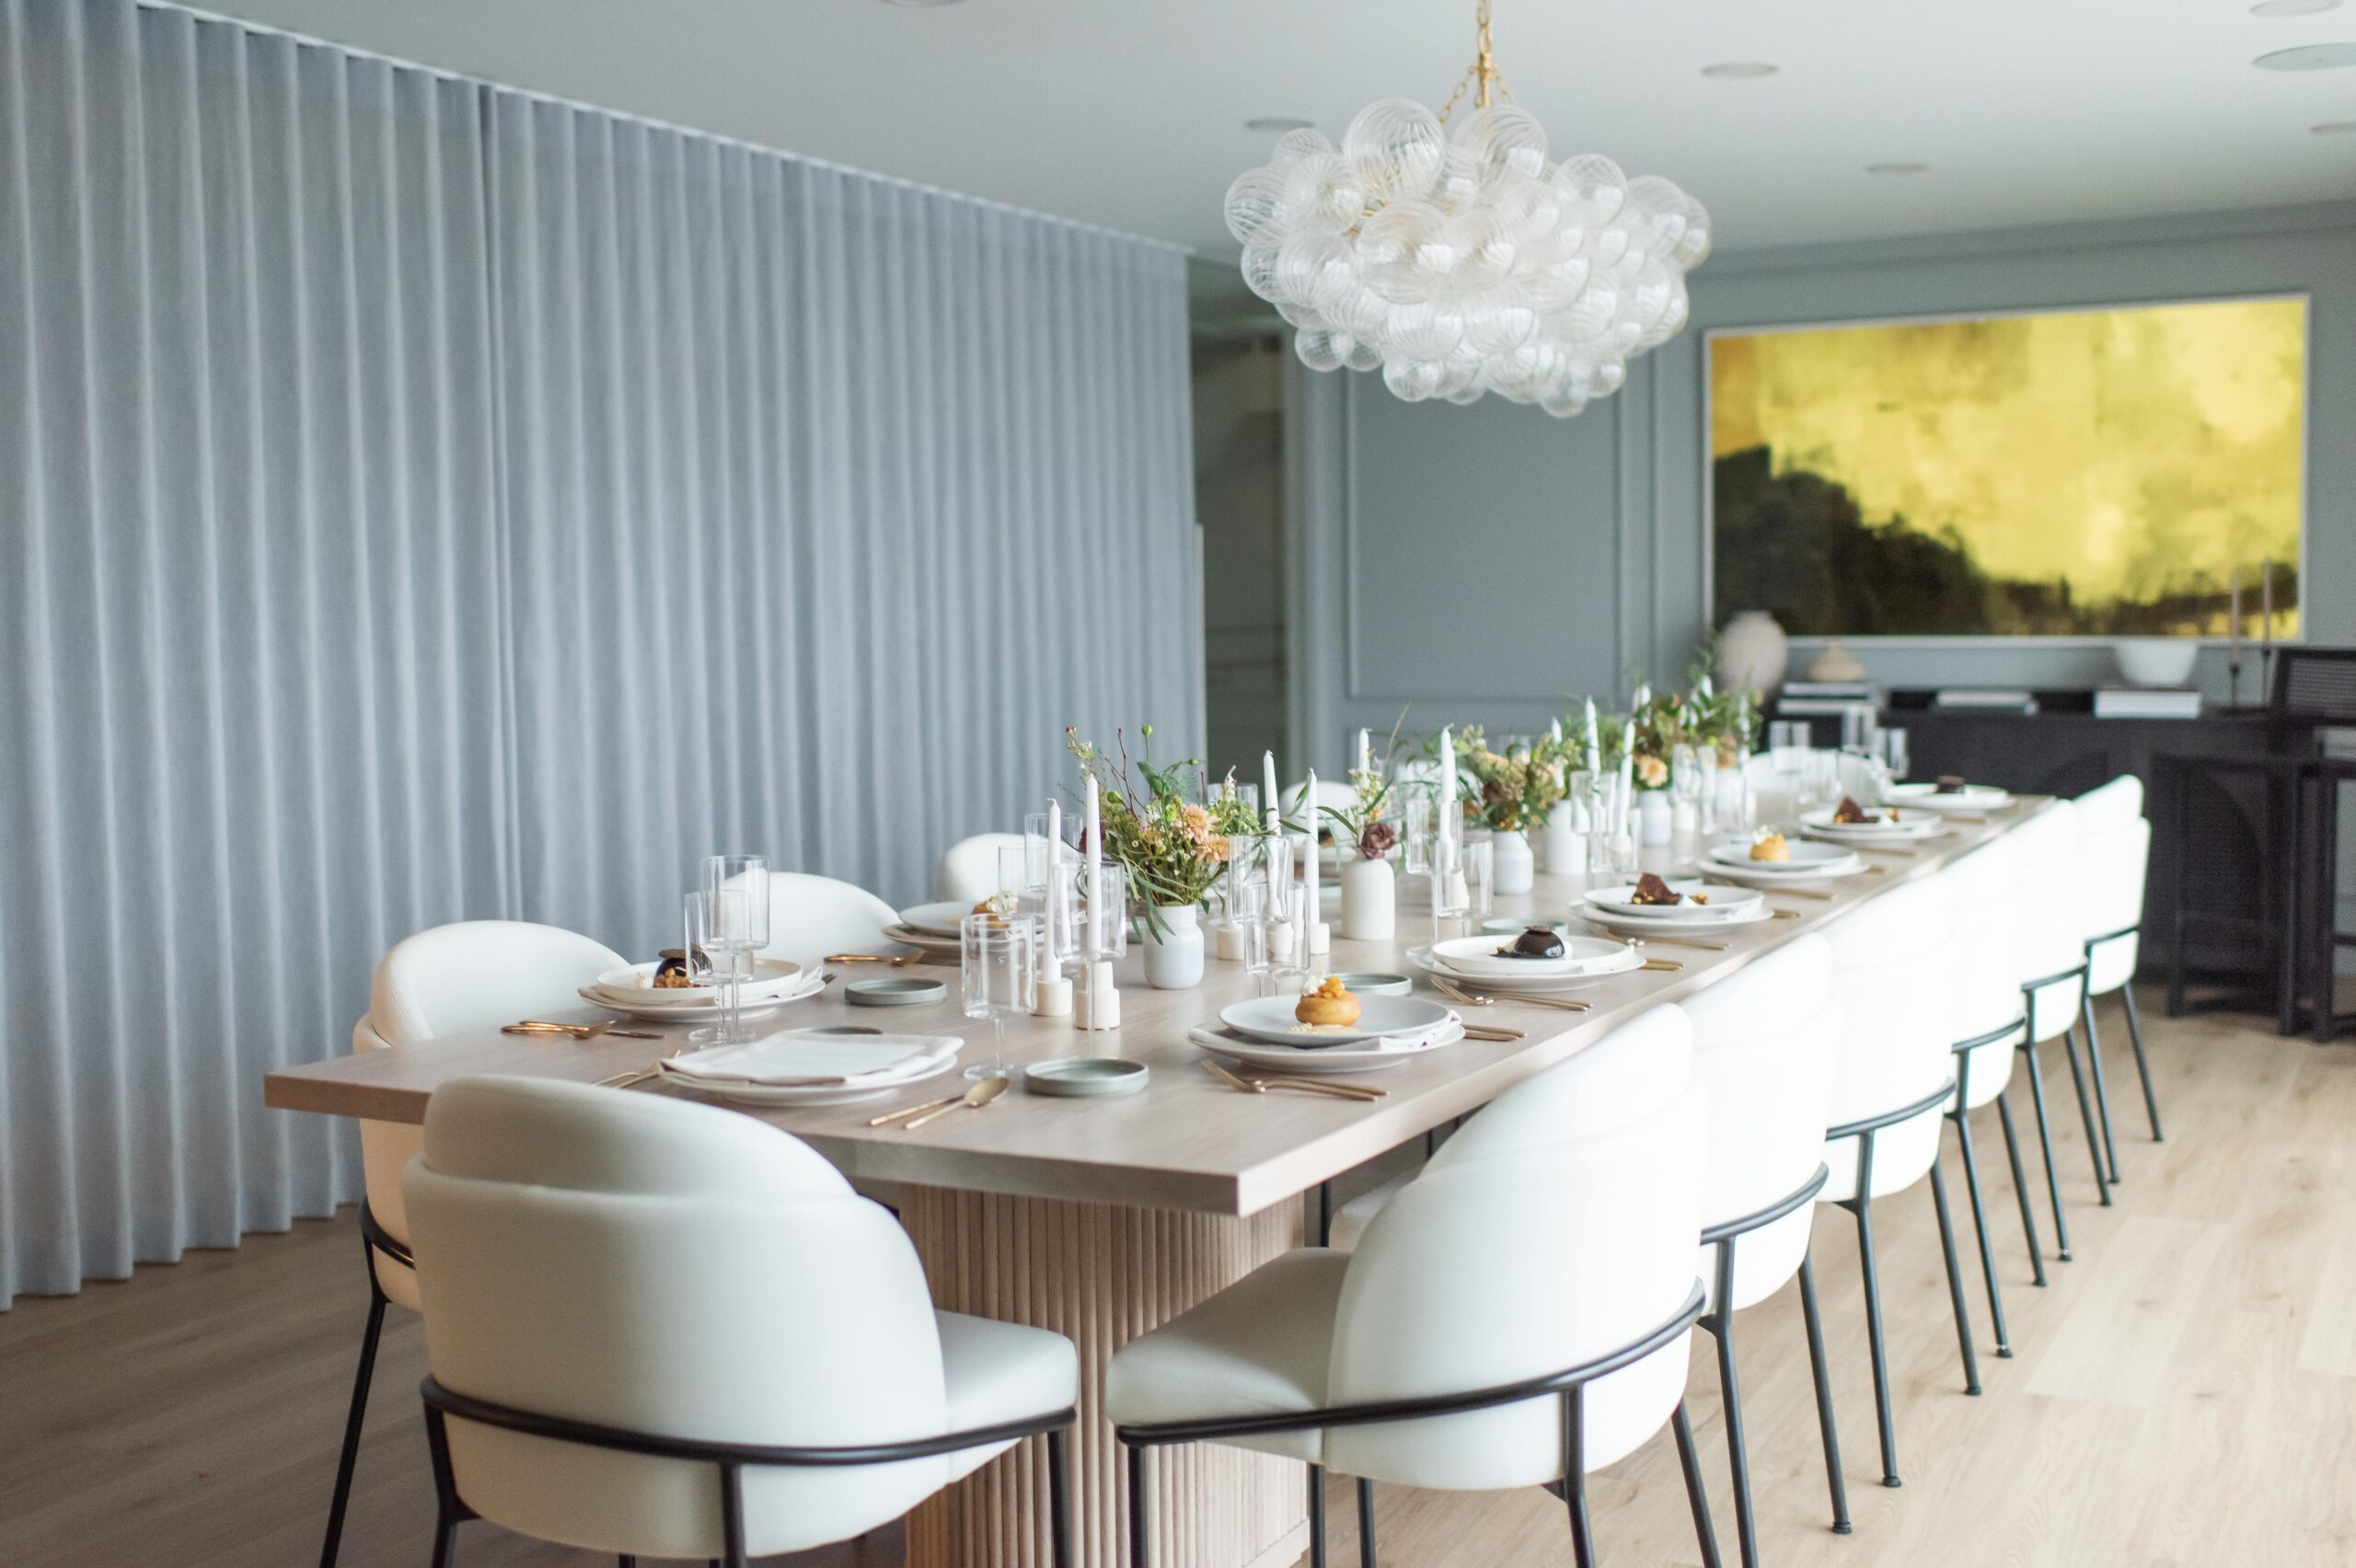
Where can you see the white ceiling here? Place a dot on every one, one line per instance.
(1130, 112)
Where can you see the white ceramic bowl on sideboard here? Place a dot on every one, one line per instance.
(2157, 661)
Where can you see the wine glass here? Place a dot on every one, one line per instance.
(998, 963)
(736, 923)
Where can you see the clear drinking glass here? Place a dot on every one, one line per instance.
(1894, 754)
(998, 963)
(737, 918)
(1416, 804)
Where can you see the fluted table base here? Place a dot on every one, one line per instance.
(1102, 1276)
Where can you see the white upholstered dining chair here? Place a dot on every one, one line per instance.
(1890, 1092)
(662, 1328)
(1766, 1040)
(811, 916)
(969, 867)
(451, 979)
(1534, 1284)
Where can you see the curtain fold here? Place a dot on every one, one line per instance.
(424, 502)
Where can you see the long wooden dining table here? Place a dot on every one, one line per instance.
(1102, 1218)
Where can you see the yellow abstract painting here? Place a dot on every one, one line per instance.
(2091, 473)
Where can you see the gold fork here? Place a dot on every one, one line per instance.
(1308, 1086)
(1451, 989)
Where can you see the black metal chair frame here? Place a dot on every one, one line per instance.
(1719, 1323)
(2135, 1036)
(1959, 1112)
(730, 1460)
(2037, 1098)
(373, 1240)
(1860, 1207)
(1568, 1386)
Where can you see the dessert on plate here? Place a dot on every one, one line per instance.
(1537, 941)
(1329, 1004)
(1654, 892)
(1769, 847)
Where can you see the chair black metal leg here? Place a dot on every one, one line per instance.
(2142, 1067)
(1140, 1557)
(1721, 1326)
(2102, 1087)
(1058, 1500)
(732, 1517)
(1318, 1516)
(1365, 1523)
(2045, 1138)
(1963, 1120)
(445, 1542)
(1575, 1475)
(351, 1422)
(2020, 1188)
(1324, 1214)
(2085, 1112)
(449, 1510)
(1862, 1207)
(625, 1561)
(1954, 1280)
(1823, 1397)
(1694, 1494)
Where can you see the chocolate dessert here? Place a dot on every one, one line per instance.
(1539, 942)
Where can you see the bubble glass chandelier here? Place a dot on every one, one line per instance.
(1460, 259)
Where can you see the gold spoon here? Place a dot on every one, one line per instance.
(1261, 1086)
(974, 1099)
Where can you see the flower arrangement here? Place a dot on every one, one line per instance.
(1366, 819)
(1512, 790)
(1172, 844)
(1231, 818)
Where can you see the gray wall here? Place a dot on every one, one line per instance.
(1487, 563)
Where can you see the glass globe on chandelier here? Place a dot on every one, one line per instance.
(1460, 261)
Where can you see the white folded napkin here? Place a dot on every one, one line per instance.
(795, 1060)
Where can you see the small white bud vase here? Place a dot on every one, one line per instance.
(1655, 822)
(1559, 844)
(1512, 865)
(1173, 959)
(1369, 900)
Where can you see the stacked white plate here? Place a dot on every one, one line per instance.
(1887, 825)
(1586, 960)
(810, 1067)
(773, 983)
(944, 919)
(1369, 1055)
(1972, 798)
(1809, 861)
(1721, 906)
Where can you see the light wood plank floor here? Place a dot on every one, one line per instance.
(2182, 1396)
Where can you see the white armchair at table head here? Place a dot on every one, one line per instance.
(636, 1310)
(811, 916)
(969, 867)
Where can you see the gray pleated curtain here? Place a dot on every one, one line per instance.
(420, 501)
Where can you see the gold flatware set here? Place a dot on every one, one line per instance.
(1262, 1083)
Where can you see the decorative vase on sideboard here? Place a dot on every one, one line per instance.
(1754, 653)
(1173, 959)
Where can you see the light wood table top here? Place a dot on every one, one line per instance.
(1185, 1141)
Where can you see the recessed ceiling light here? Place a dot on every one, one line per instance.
(1739, 70)
(1898, 168)
(1278, 122)
(2334, 128)
(2292, 7)
(2308, 57)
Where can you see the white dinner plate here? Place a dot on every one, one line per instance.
(772, 977)
(655, 1012)
(830, 1094)
(1271, 1019)
(941, 919)
(1913, 823)
(1971, 797)
(1365, 1057)
(1642, 925)
(1724, 903)
(1808, 859)
(1475, 958)
(1625, 959)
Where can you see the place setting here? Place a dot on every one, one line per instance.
(1771, 859)
(1661, 907)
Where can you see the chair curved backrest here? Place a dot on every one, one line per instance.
(2050, 917)
(1985, 965)
(452, 980)
(811, 916)
(969, 867)
(1628, 1075)
(2110, 805)
(658, 1266)
(1765, 1040)
(2112, 862)
(1891, 978)
(1517, 1261)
